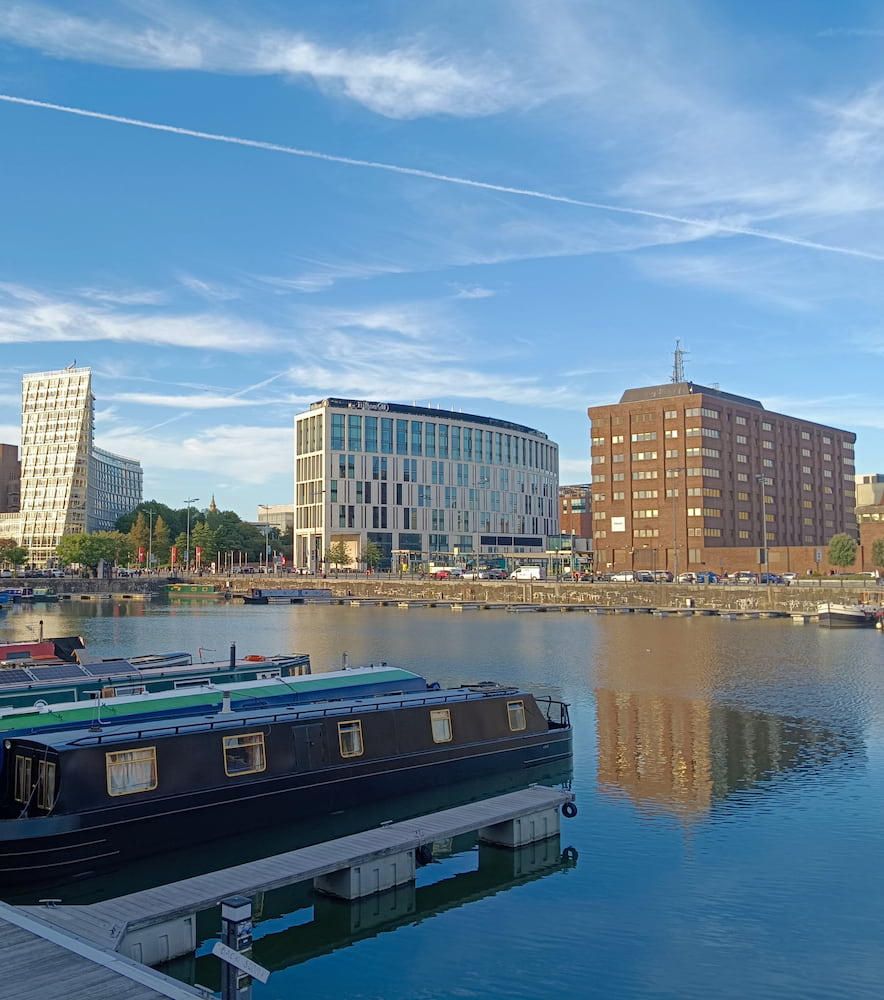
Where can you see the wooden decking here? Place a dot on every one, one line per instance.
(41, 962)
(108, 922)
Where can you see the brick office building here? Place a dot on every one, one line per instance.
(686, 477)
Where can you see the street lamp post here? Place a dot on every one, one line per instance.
(265, 507)
(192, 500)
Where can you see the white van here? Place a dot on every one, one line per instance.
(529, 573)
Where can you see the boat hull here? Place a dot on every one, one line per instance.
(55, 848)
(846, 616)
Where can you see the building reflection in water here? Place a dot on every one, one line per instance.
(667, 741)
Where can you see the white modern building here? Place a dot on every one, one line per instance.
(426, 485)
(68, 486)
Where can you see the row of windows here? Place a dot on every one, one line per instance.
(130, 771)
(418, 437)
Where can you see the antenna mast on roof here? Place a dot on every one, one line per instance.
(678, 367)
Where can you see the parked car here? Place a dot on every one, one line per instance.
(687, 577)
(742, 576)
(789, 577)
(476, 574)
(643, 576)
(498, 574)
(623, 576)
(662, 576)
(771, 578)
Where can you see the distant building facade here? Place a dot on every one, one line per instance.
(68, 486)
(423, 484)
(686, 477)
(280, 516)
(10, 479)
(575, 510)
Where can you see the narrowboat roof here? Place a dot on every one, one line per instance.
(207, 698)
(31, 675)
(161, 728)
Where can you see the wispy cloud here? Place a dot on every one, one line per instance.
(257, 453)
(474, 292)
(212, 291)
(399, 80)
(32, 317)
(191, 402)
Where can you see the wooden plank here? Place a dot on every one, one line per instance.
(141, 909)
(41, 962)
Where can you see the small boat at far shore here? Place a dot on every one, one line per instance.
(835, 615)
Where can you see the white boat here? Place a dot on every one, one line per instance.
(851, 615)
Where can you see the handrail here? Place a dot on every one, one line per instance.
(292, 713)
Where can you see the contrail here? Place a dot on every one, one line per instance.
(709, 225)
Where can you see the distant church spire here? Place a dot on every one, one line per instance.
(212, 508)
(678, 367)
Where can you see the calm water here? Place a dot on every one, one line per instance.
(730, 780)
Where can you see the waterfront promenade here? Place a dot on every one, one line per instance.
(801, 598)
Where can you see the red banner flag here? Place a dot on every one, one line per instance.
(174, 555)
(141, 554)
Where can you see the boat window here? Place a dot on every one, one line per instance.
(22, 778)
(440, 719)
(350, 738)
(192, 682)
(516, 713)
(46, 784)
(131, 771)
(130, 689)
(244, 754)
(267, 675)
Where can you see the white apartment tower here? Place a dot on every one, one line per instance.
(424, 484)
(67, 485)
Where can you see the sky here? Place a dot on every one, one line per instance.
(513, 208)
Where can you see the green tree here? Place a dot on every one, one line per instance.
(162, 547)
(372, 555)
(88, 550)
(336, 554)
(842, 551)
(139, 534)
(878, 552)
(15, 555)
(202, 537)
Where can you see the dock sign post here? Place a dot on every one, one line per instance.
(235, 948)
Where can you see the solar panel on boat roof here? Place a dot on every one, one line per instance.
(56, 672)
(108, 667)
(13, 675)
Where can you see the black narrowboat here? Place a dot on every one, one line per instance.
(76, 801)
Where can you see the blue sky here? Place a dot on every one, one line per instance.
(516, 209)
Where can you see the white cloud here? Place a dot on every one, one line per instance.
(207, 289)
(31, 317)
(256, 454)
(398, 80)
(207, 401)
(474, 292)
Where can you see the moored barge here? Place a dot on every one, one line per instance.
(74, 801)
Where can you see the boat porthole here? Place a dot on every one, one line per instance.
(569, 810)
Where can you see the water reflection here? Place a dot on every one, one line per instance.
(294, 925)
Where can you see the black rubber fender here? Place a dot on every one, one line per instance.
(569, 810)
(570, 854)
(423, 855)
